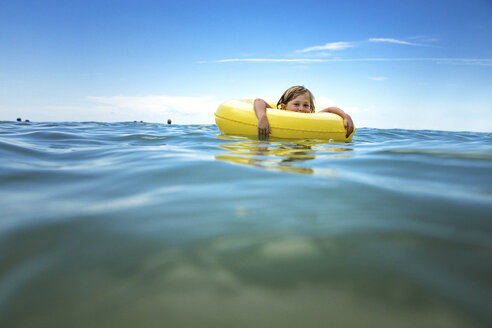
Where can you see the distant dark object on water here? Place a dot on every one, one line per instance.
(27, 121)
(169, 121)
(19, 119)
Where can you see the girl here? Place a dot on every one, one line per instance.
(296, 99)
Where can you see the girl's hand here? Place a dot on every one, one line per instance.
(347, 120)
(348, 124)
(263, 127)
(260, 106)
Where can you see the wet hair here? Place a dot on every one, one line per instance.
(294, 92)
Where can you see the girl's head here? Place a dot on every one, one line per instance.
(297, 99)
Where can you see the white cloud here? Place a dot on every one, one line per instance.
(182, 110)
(330, 46)
(156, 109)
(324, 102)
(466, 61)
(439, 60)
(387, 40)
(269, 60)
(378, 78)
(424, 38)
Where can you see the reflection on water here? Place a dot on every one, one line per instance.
(287, 156)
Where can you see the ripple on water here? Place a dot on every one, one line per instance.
(142, 223)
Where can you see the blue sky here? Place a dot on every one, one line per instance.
(390, 64)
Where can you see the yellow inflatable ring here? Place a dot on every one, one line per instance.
(237, 117)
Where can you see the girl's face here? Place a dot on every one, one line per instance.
(299, 104)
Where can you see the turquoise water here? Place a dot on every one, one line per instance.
(150, 225)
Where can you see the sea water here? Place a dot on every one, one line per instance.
(153, 225)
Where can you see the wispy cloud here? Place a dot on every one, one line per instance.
(378, 78)
(424, 38)
(270, 60)
(155, 109)
(182, 110)
(334, 46)
(388, 40)
(440, 60)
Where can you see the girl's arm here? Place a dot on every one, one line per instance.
(347, 120)
(260, 107)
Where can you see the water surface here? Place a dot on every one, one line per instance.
(135, 224)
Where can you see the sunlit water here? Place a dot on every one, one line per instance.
(149, 225)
